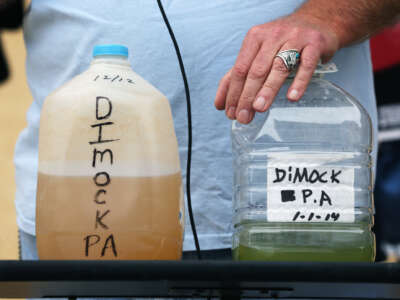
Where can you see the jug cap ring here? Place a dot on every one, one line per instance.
(110, 49)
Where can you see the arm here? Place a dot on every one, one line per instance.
(317, 29)
(352, 21)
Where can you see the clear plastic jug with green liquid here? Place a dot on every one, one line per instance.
(303, 179)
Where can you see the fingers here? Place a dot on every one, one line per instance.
(254, 81)
(222, 91)
(248, 52)
(257, 76)
(272, 84)
(258, 95)
(308, 62)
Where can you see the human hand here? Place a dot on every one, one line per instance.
(257, 76)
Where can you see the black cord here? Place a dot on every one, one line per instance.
(189, 113)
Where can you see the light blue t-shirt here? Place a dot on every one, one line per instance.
(60, 35)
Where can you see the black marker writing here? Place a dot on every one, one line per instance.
(96, 197)
(113, 78)
(93, 239)
(308, 175)
(100, 102)
(109, 240)
(309, 216)
(102, 153)
(101, 179)
(100, 134)
(99, 219)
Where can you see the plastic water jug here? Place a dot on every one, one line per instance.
(109, 181)
(303, 180)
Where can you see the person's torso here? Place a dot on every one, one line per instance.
(59, 36)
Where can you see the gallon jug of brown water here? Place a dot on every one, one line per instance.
(109, 181)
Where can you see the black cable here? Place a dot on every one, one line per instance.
(189, 112)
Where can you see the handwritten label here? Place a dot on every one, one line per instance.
(102, 154)
(112, 78)
(310, 194)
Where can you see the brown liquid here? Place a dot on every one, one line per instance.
(143, 218)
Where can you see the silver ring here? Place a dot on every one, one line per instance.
(291, 58)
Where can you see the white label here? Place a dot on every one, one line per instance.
(310, 194)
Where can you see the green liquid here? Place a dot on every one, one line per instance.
(304, 242)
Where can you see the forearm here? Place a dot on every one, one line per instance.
(351, 20)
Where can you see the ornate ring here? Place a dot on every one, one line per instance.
(290, 58)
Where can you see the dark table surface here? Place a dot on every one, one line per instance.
(225, 279)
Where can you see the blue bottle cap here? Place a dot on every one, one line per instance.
(110, 50)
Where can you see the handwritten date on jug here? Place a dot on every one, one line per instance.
(311, 216)
(112, 78)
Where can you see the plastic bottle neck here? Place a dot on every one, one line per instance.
(118, 60)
